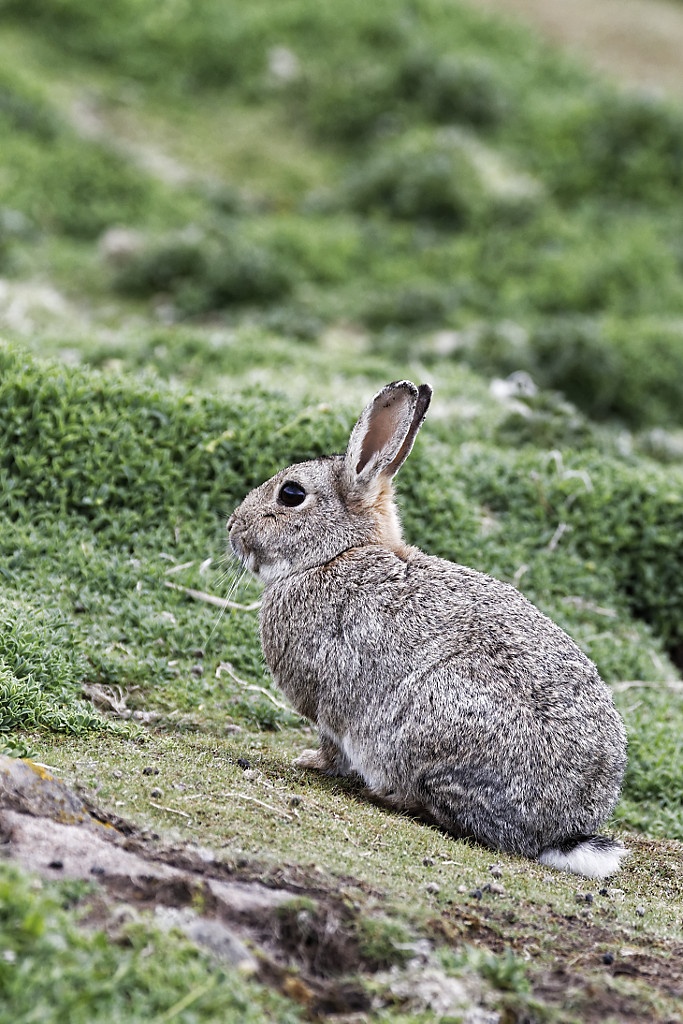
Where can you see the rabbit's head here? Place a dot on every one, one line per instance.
(311, 512)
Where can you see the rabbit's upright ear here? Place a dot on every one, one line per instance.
(383, 437)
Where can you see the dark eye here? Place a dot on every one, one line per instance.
(291, 494)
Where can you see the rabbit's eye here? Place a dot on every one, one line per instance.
(291, 494)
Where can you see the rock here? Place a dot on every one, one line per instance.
(430, 989)
(214, 935)
(30, 789)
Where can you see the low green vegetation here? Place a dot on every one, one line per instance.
(51, 970)
(222, 227)
(113, 489)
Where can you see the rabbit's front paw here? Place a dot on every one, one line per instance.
(316, 760)
(328, 758)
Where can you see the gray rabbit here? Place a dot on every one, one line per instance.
(443, 688)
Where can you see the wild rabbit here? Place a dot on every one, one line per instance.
(446, 690)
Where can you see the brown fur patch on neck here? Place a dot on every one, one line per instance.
(388, 531)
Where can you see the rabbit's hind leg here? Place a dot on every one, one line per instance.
(475, 803)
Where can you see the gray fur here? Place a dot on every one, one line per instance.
(444, 688)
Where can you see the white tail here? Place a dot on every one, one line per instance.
(591, 856)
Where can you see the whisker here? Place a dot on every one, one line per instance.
(233, 574)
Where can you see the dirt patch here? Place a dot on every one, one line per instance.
(584, 963)
(637, 42)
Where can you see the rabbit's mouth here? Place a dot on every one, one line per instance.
(266, 570)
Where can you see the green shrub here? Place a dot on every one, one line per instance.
(163, 266)
(23, 110)
(624, 145)
(421, 176)
(203, 274)
(414, 305)
(347, 106)
(650, 387)
(623, 520)
(447, 177)
(127, 455)
(72, 187)
(653, 786)
(453, 88)
(571, 354)
(41, 672)
(620, 265)
(243, 271)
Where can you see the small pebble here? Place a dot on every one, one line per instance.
(295, 801)
(584, 897)
(495, 888)
(476, 893)
(96, 869)
(198, 652)
(197, 670)
(605, 892)
(117, 773)
(432, 888)
(496, 870)
(640, 911)
(150, 770)
(56, 865)
(608, 958)
(156, 793)
(243, 763)
(428, 862)
(250, 774)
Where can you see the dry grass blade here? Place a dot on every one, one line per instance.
(219, 602)
(261, 803)
(225, 666)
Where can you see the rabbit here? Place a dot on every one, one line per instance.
(444, 689)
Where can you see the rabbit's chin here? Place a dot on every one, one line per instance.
(268, 572)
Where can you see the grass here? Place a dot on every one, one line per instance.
(459, 205)
(54, 971)
(125, 487)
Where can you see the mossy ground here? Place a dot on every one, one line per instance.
(464, 205)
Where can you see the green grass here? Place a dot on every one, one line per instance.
(52, 970)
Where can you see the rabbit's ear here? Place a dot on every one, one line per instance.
(382, 438)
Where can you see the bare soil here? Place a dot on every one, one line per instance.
(637, 42)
